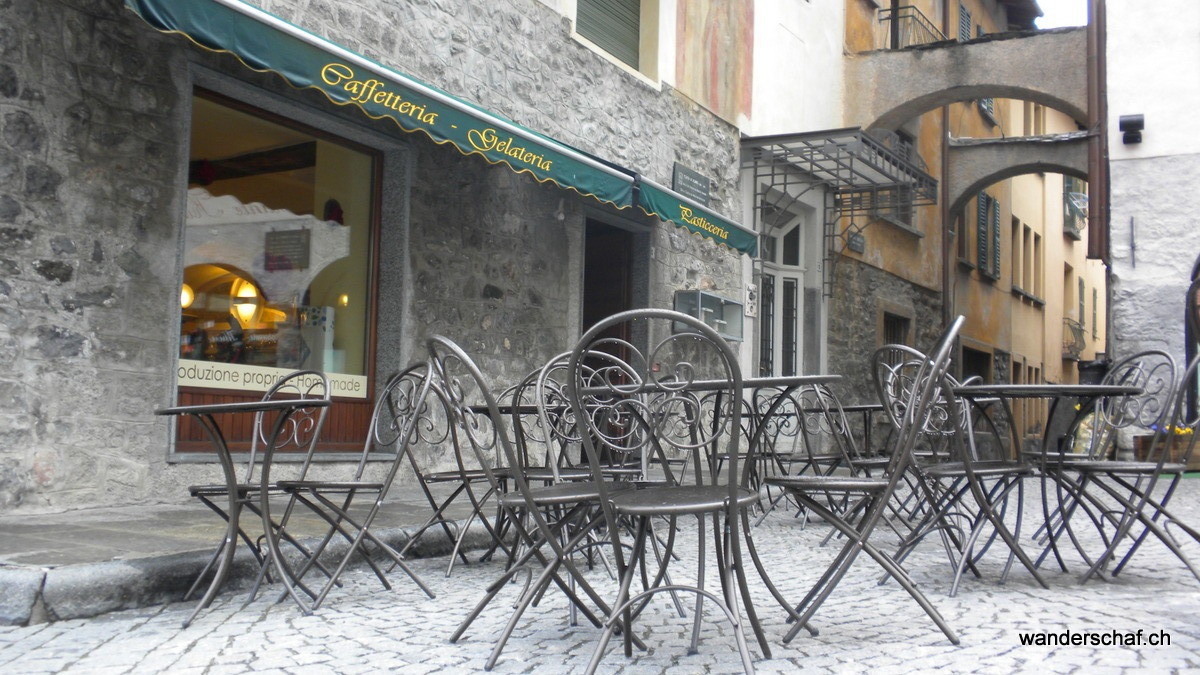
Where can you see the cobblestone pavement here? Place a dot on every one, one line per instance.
(862, 627)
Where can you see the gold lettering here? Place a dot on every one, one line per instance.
(685, 214)
(373, 91)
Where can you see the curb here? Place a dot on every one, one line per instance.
(32, 595)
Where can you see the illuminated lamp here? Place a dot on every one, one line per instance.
(186, 296)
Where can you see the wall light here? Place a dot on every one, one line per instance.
(1131, 126)
(186, 296)
(245, 301)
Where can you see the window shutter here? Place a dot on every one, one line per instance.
(964, 23)
(981, 230)
(614, 25)
(995, 238)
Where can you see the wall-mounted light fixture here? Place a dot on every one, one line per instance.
(1131, 126)
(245, 302)
(186, 296)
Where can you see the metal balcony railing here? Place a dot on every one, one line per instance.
(1074, 341)
(907, 27)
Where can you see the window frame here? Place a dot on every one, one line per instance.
(390, 194)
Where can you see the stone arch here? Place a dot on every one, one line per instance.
(960, 200)
(898, 116)
(892, 87)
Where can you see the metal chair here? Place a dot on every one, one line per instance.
(1090, 453)
(663, 408)
(917, 388)
(1134, 495)
(549, 523)
(300, 436)
(401, 417)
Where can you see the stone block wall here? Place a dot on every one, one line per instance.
(93, 142)
(89, 146)
(1151, 276)
(853, 322)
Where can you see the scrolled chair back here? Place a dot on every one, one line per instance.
(302, 429)
(658, 401)
(1153, 372)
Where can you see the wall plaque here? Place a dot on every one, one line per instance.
(690, 184)
(287, 249)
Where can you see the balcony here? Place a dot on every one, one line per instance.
(1074, 341)
(908, 27)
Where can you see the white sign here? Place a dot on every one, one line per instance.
(257, 378)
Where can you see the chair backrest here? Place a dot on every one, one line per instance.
(1154, 372)
(477, 420)
(913, 391)
(303, 427)
(660, 400)
(807, 422)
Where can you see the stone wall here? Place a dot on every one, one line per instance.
(89, 148)
(93, 139)
(860, 293)
(1149, 280)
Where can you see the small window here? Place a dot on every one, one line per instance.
(1095, 313)
(791, 247)
(614, 26)
(895, 329)
(976, 363)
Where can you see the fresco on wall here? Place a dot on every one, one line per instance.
(714, 55)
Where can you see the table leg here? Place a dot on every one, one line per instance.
(229, 545)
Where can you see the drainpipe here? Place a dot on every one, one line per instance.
(1099, 215)
(944, 199)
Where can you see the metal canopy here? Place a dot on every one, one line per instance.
(846, 160)
(866, 176)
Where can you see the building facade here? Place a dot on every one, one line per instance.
(180, 220)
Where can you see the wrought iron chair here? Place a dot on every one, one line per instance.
(1092, 445)
(1132, 496)
(300, 436)
(665, 408)
(402, 416)
(950, 470)
(549, 523)
(917, 387)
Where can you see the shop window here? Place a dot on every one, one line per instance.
(277, 261)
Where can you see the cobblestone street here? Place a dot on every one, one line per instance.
(862, 627)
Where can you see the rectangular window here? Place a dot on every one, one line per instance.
(1038, 266)
(964, 23)
(613, 25)
(1027, 258)
(791, 307)
(1017, 252)
(1095, 313)
(277, 259)
(976, 363)
(895, 329)
(1082, 301)
(987, 235)
(766, 326)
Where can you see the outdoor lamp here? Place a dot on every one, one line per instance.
(186, 296)
(1131, 128)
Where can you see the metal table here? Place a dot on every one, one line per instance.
(205, 415)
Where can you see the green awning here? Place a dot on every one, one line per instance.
(671, 206)
(267, 43)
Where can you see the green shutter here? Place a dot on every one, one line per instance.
(981, 231)
(964, 24)
(614, 25)
(996, 238)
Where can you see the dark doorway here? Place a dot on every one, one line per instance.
(607, 273)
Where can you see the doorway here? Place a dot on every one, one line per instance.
(607, 273)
